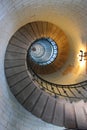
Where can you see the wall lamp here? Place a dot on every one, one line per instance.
(83, 55)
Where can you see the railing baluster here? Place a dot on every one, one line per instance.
(50, 87)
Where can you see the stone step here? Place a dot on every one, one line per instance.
(59, 114)
(20, 86)
(83, 91)
(27, 34)
(24, 95)
(18, 42)
(85, 107)
(15, 70)
(30, 32)
(16, 49)
(38, 109)
(13, 63)
(35, 30)
(16, 78)
(32, 99)
(13, 56)
(40, 29)
(70, 120)
(81, 119)
(21, 36)
(76, 92)
(49, 110)
(44, 27)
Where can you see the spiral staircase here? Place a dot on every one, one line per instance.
(62, 105)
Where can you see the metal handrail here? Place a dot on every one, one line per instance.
(74, 91)
(60, 85)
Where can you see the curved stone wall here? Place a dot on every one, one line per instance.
(13, 15)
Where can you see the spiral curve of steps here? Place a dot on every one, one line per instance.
(56, 111)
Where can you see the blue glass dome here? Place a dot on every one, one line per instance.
(43, 51)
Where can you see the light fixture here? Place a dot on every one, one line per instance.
(83, 55)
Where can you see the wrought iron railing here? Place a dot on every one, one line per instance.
(70, 91)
